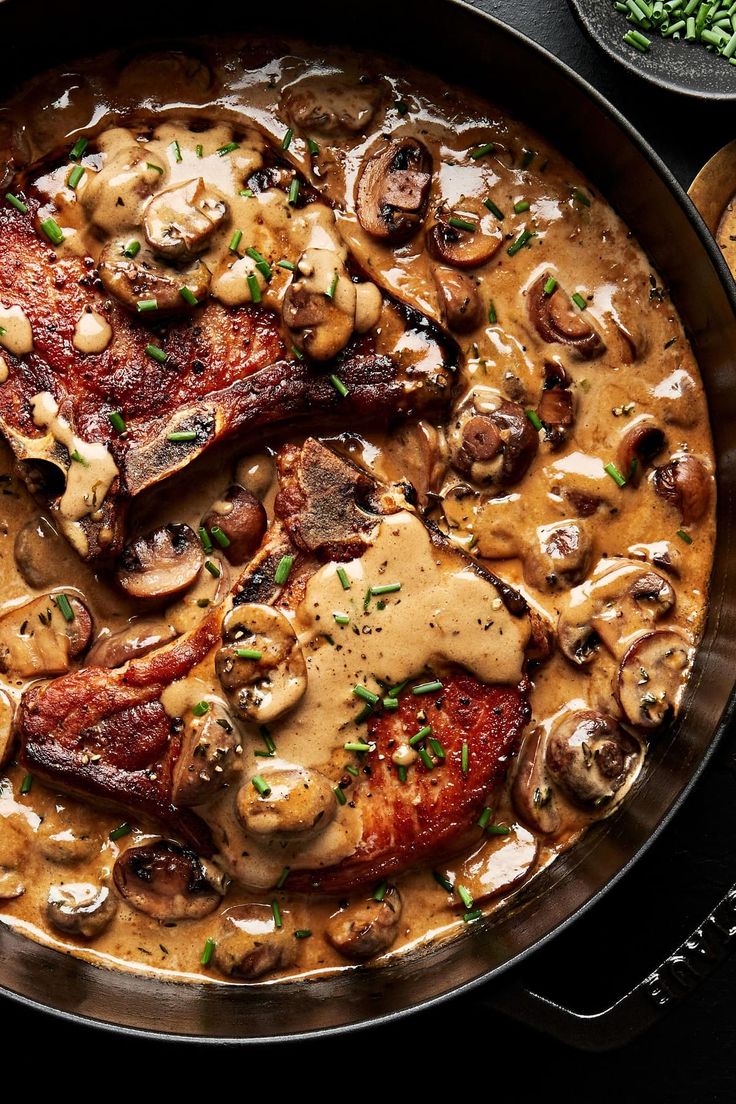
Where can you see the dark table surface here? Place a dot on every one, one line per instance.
(691, 1053)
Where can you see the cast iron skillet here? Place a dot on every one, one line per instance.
(464, 46)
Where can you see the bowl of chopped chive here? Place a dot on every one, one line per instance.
(687, 46)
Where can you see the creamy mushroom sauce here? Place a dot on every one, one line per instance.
(177, 112)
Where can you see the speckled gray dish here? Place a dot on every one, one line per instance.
(680, 66)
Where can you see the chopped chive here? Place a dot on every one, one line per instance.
(247, 193)
(297, 352)
(78, 149)
(255, 288)
(294, 191)
(14, 201)
(494, 209)
(534, 419)
(223, 151)
(498, 830)
(199, 151)
(75, 176)
(25, 786)
(523, 238)
(426, 758)
(471, 915)
(442, 880)
(302, 933)
(639, 41)
(581, 197)
(437, 748)
(201, 708)
(385, 588)
(615, 474)
(380, 891)
(341, 618)
(339, 386)
(341, 798)
(481, 151)
(528, 157)
(492, 316)
(550, 285)
(64, 607)
(484, 817)
(365, 713)
(343, 577)
(207, 951)
(213, 569)
(312, 146)
(176, 150)
(396, 690)
(261, 785)
(78, 458)
(154, 168)
(287, 139)
(283, 570)
(364, 693)
(402, 773)
(235, 241)
(276, 910)
(117, 421)
(121, 830)
(203, 603)
(222, 538)
(289, 265)
(132, 249)
(156, 352)
(465, 896)
(578, 300)
(267, 739)
(352, 770)
(248, 653)
(462, 224)
(282, 877)
(204, 539)
(53, 231)
(420, 735)
(684, 536)
(188, 296)
(390, 703)
(357, 745)
(182, 435)
(465, 759)
(144, 305)
(427, 687)
(261, 263)
(330, 293)
(263, 754)
(521, 206)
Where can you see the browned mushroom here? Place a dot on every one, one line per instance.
(260, 666)
(555, 320)
(556, 412)
(249, 942)
(7, 734)
(392, 190)
(80, 908)
(652, 678)
(43, 637)
(298, 804)
(179, 221)
(500, 864)
(145, 279)
(69, 834)
(167, 881)
(492, 440)
(209, 758)
(561, 558)
(332, 105)
(685, 483)
(15, 850)
(137, 639)
(465, 236)
(591, 757)
(319, 305)
(638, 447)
(461, 305)
(366, 928)
(241, 520)
(160, 563)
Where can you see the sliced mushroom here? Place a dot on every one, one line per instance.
(392, 189)
(461, 304)
(68, 835)
(128, 177)
(249, 943)
(491, 439)
(590, 757)
(533, 797)
(652, 678)
(40, 553)
(265, 685)
(465, 236)
(37, 640)
(167, 881)
(179, 221)
(80, 908)
(330, 105)
(241, 519)
(298, 804)
(319, 305)
(132, 281)
(7, 733)
(366, 928)
(256, 474)
(561, 558)
(686, 484)
(501, 863)
(638, 447)
(160, 563)
(556, 320)
(556, 412)
(625, 597)
(137, 639)
(209, 759)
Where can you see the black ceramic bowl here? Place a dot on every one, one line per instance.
(463, 46)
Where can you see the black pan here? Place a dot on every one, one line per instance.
(468, 47)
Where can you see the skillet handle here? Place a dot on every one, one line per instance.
(639, 1009)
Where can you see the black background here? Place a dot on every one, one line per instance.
(480, 1054)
